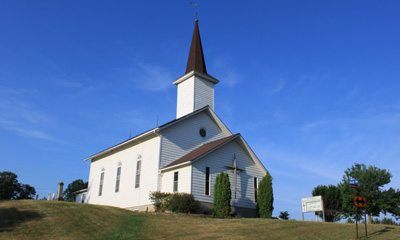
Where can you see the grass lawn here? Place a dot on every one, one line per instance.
(60, 220)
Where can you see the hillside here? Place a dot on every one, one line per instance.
(60, 220)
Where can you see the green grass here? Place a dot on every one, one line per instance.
(60, 220)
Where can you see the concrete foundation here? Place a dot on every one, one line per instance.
(143, 208)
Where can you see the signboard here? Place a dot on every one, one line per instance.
(360, 202)
(312, 204)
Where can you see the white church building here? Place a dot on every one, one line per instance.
(184, 155)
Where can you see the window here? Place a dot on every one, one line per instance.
(101, 183)
(175, 181)
(255, 188)
(202, 132)
(207, 182)
(137, 178)
(118, 179)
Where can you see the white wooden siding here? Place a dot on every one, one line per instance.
(184, 137)
(128, 195)
(184, 180)
(185, 97)
(203, 94)
(217, 161)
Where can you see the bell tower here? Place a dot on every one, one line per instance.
(196, 87)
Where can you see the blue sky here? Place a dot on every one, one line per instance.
(313, 86)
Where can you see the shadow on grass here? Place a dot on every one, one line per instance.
(379, 232)
(11, 217)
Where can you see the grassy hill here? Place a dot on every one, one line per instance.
(60, 220)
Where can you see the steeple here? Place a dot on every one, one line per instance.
(196, 60)
(196, 86)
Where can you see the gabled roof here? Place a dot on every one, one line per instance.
(202, 150)
(196, 60)
(155, 131)
(208, 148)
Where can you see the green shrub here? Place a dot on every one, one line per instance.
(174, 202)
(265, 197)
(222, 196)
(160, 200)
(284, 215)
(182, 203)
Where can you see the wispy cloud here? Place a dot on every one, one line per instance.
(226, 72)
(304, 164)
(25, 131)
(68, 83)
(276, 86)
(21, 117)
(148, 77)
(381, 119)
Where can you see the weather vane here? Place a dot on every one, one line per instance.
(195, 6)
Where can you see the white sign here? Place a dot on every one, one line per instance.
(312, 204)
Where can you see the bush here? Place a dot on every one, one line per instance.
(174, 202)
(182, 203)
(284, 215)
(388, 221)
(265, 197)
(222, 196)
(160, 200)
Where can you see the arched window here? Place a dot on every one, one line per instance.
(138, 169)
(101, 182)
(117, 180)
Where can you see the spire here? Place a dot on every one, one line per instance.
(196, 60)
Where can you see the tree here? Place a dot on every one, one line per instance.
(265, 197)
(331, 196)
(26, 191)
(370, 179)
(390, 202)
(9, 185)
(284, 215)
(222, 196)
(10, 188)
(74, 186)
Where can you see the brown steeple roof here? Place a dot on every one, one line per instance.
(196, 60)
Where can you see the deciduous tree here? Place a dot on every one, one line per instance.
(331, 196)
(74, 186)
(371, 180)
(9, 185)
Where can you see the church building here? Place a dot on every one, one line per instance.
(183, 155)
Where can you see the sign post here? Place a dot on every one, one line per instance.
(353, 183)
(361, 202)
(365, 223)
(312, 204)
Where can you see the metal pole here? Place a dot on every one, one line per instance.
(356, 223)
(365, 220)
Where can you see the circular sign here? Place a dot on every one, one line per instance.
(360, 202)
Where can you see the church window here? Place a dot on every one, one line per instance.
(202, 132)
(255, 188)
(207, 182)
(137, 178)
(175, 181)
(118, 179)
(101, 183)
